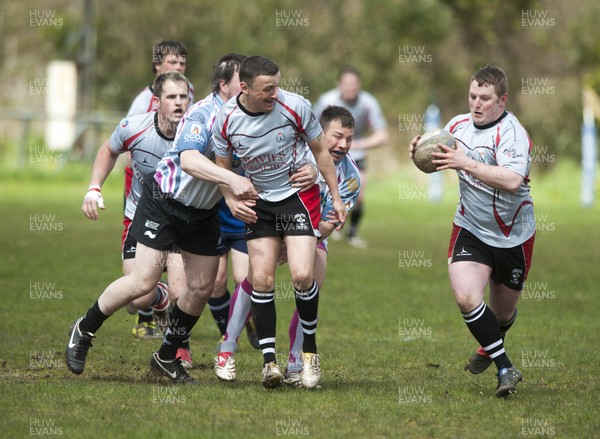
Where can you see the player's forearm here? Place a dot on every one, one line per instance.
(200, 167)
(327, 170)
(103, 165)
(495, 176)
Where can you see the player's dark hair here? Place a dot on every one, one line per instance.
(254, 66)
(335, 112)
(160, 80)
(490, 75)
(350, 70)
(164, 48)
(226, 67)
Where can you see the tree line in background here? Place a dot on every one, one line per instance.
(410, 53)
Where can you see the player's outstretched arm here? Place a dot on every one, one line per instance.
(103, 165)
(200, 167)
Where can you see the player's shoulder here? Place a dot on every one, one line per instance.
(290, 97)
(349, 165)
(330, 96)
(367, 98)
(459, 122)
(135, 121)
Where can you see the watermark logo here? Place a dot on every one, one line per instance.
(413, 191)
(413, 259)
(539, 222)
(413, 395)
(537, 291)
(536, 427)
(537, 87)
(541, 155)
(412, 54)
(290, 18)
(288, 222)
(291, 427)
(159, 195)
(38, 85)
(285, 290)
(410, 327)
(44, 427)
(413, 122)
(535, 358)
(45, 18)
(283, 355)
(172, 328)
(159, 54)
(167, 395)
(45, 359)
(44, 291)
(43, 155)
(44, 222)
(537, 18)
(294, 85)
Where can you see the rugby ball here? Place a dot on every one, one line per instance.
(427, 144)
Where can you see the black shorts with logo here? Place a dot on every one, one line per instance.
(161, 223)
(510, 266)
(297, 215)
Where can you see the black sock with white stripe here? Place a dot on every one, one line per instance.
(265, 320)
(178, 333)
(307, 304)
(483, 325)
(219, 308)
(505, 326)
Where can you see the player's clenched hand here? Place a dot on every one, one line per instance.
(242, 209)
(92, 201)
(242, 187)
(412, 146)
(305, 177)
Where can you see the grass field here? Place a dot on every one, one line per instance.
(393, 343)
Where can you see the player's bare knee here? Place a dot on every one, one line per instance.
(467, 302)
(263, 283)
(303, 282)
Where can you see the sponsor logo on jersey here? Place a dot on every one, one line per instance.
(195, 129)
(512, 153)
(124, 122)
(280, 137)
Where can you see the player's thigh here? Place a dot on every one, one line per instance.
(239, 265)
(147, 266)
(263, 254)
(468, 280)
(128, 266)
(301, 258)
